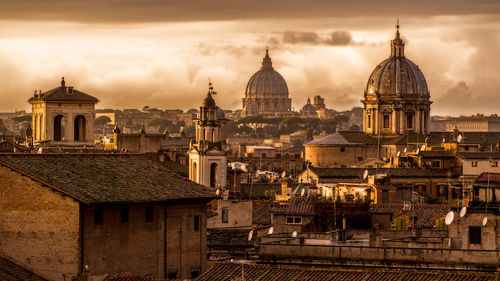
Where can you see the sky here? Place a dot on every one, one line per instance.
(162, 53)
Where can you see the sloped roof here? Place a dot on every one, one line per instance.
(394, 172)
(426, 214)
(296, 206)
(126, 277)
(107, 178)
(344, 138)
(10, 146)
(479, 155)
(10, 271)
(64, 94)
(261, 212)
(231, 271)
(488, 177)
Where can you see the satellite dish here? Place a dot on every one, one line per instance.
(303, 192)
(444, 140)
(40, 150)
(423, 147)
(418, 150)
(365, 174)
(217, 192)
(449, 218)
(459, 138)
(250, 235)
(271, 230)
(399, 153)
(404, 151)
(294, 234)
(485, 221)
(463, 211)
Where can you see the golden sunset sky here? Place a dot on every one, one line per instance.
(161, 53)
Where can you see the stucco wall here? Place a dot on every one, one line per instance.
(328, 156)
(38, 227)
(239, 214)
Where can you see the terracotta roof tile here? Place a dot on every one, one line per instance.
(107, 178)
(10, 271)
(426, 214)
(61, 94)
(394, 172)
(230, 271)
(298, 206)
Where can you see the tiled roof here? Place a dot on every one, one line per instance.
(426, 214)
(107, 178)
(230, 271)
(488, 177)
(229, 237)
(436, 154)
(10, 271)
(261, 212)
(122, 277)
(61, 94)
(478, 155)
(296, 206)
(394, 172)
(10, 146)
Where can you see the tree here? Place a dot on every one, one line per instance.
(101, 121)
(145, 108)
(162, 123)
(22, 118)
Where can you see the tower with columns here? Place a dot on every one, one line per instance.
(207, 153)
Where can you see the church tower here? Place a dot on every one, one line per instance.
(396, 99)
(63, 116)
(207, 153)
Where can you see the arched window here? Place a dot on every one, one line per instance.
(59, 127)
(194, 172)
(213, 135)
(80, 128)
(213, 174)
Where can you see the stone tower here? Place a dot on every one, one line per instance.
(63, 116)
(207, 153)
(396, 98)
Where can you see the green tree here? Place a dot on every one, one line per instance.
(101, 121)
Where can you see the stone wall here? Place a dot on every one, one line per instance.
(139, 143)
(38, 226)
(138, 246)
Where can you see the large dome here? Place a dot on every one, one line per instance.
(267, 91)
(266, 82)
(397, 75)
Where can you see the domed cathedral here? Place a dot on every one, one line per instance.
(207, 153)
(396, 98)
(266, 93)
(63, 116)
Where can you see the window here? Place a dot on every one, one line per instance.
(342, 149)
(195, 274)
(401, 224)
(172, 276)
(466, 148)
(494, 164)
(385, 196)
(369, 121)
(149, 213)
(386, 121)
(293, 220)
(225, 215)
(196, 223)
(474, 235)
(436, 164)
(124, 214)
(98, 215)
(474, 163)
(409, 121)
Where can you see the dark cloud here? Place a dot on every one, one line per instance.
(292, 37)
(202, 10)
(339, 38)
(335, 38)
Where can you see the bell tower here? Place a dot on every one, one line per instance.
(207, 153)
